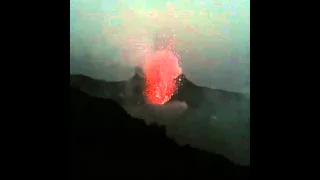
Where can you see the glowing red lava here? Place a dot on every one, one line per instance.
(161, 68)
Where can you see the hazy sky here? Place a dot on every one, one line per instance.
(108, 38)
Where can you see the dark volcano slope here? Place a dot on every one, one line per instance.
(106, 141)
(130, 92)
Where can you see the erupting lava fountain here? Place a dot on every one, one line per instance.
(161, 68)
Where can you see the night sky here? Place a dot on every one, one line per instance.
(107, 38)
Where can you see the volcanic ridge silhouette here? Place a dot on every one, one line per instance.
(107, 141)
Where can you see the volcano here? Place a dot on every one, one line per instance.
(215, 120)
(131, 91)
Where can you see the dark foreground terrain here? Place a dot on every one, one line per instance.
(209, 119)
(107, 141)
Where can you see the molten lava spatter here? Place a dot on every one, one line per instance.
(161, 68)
